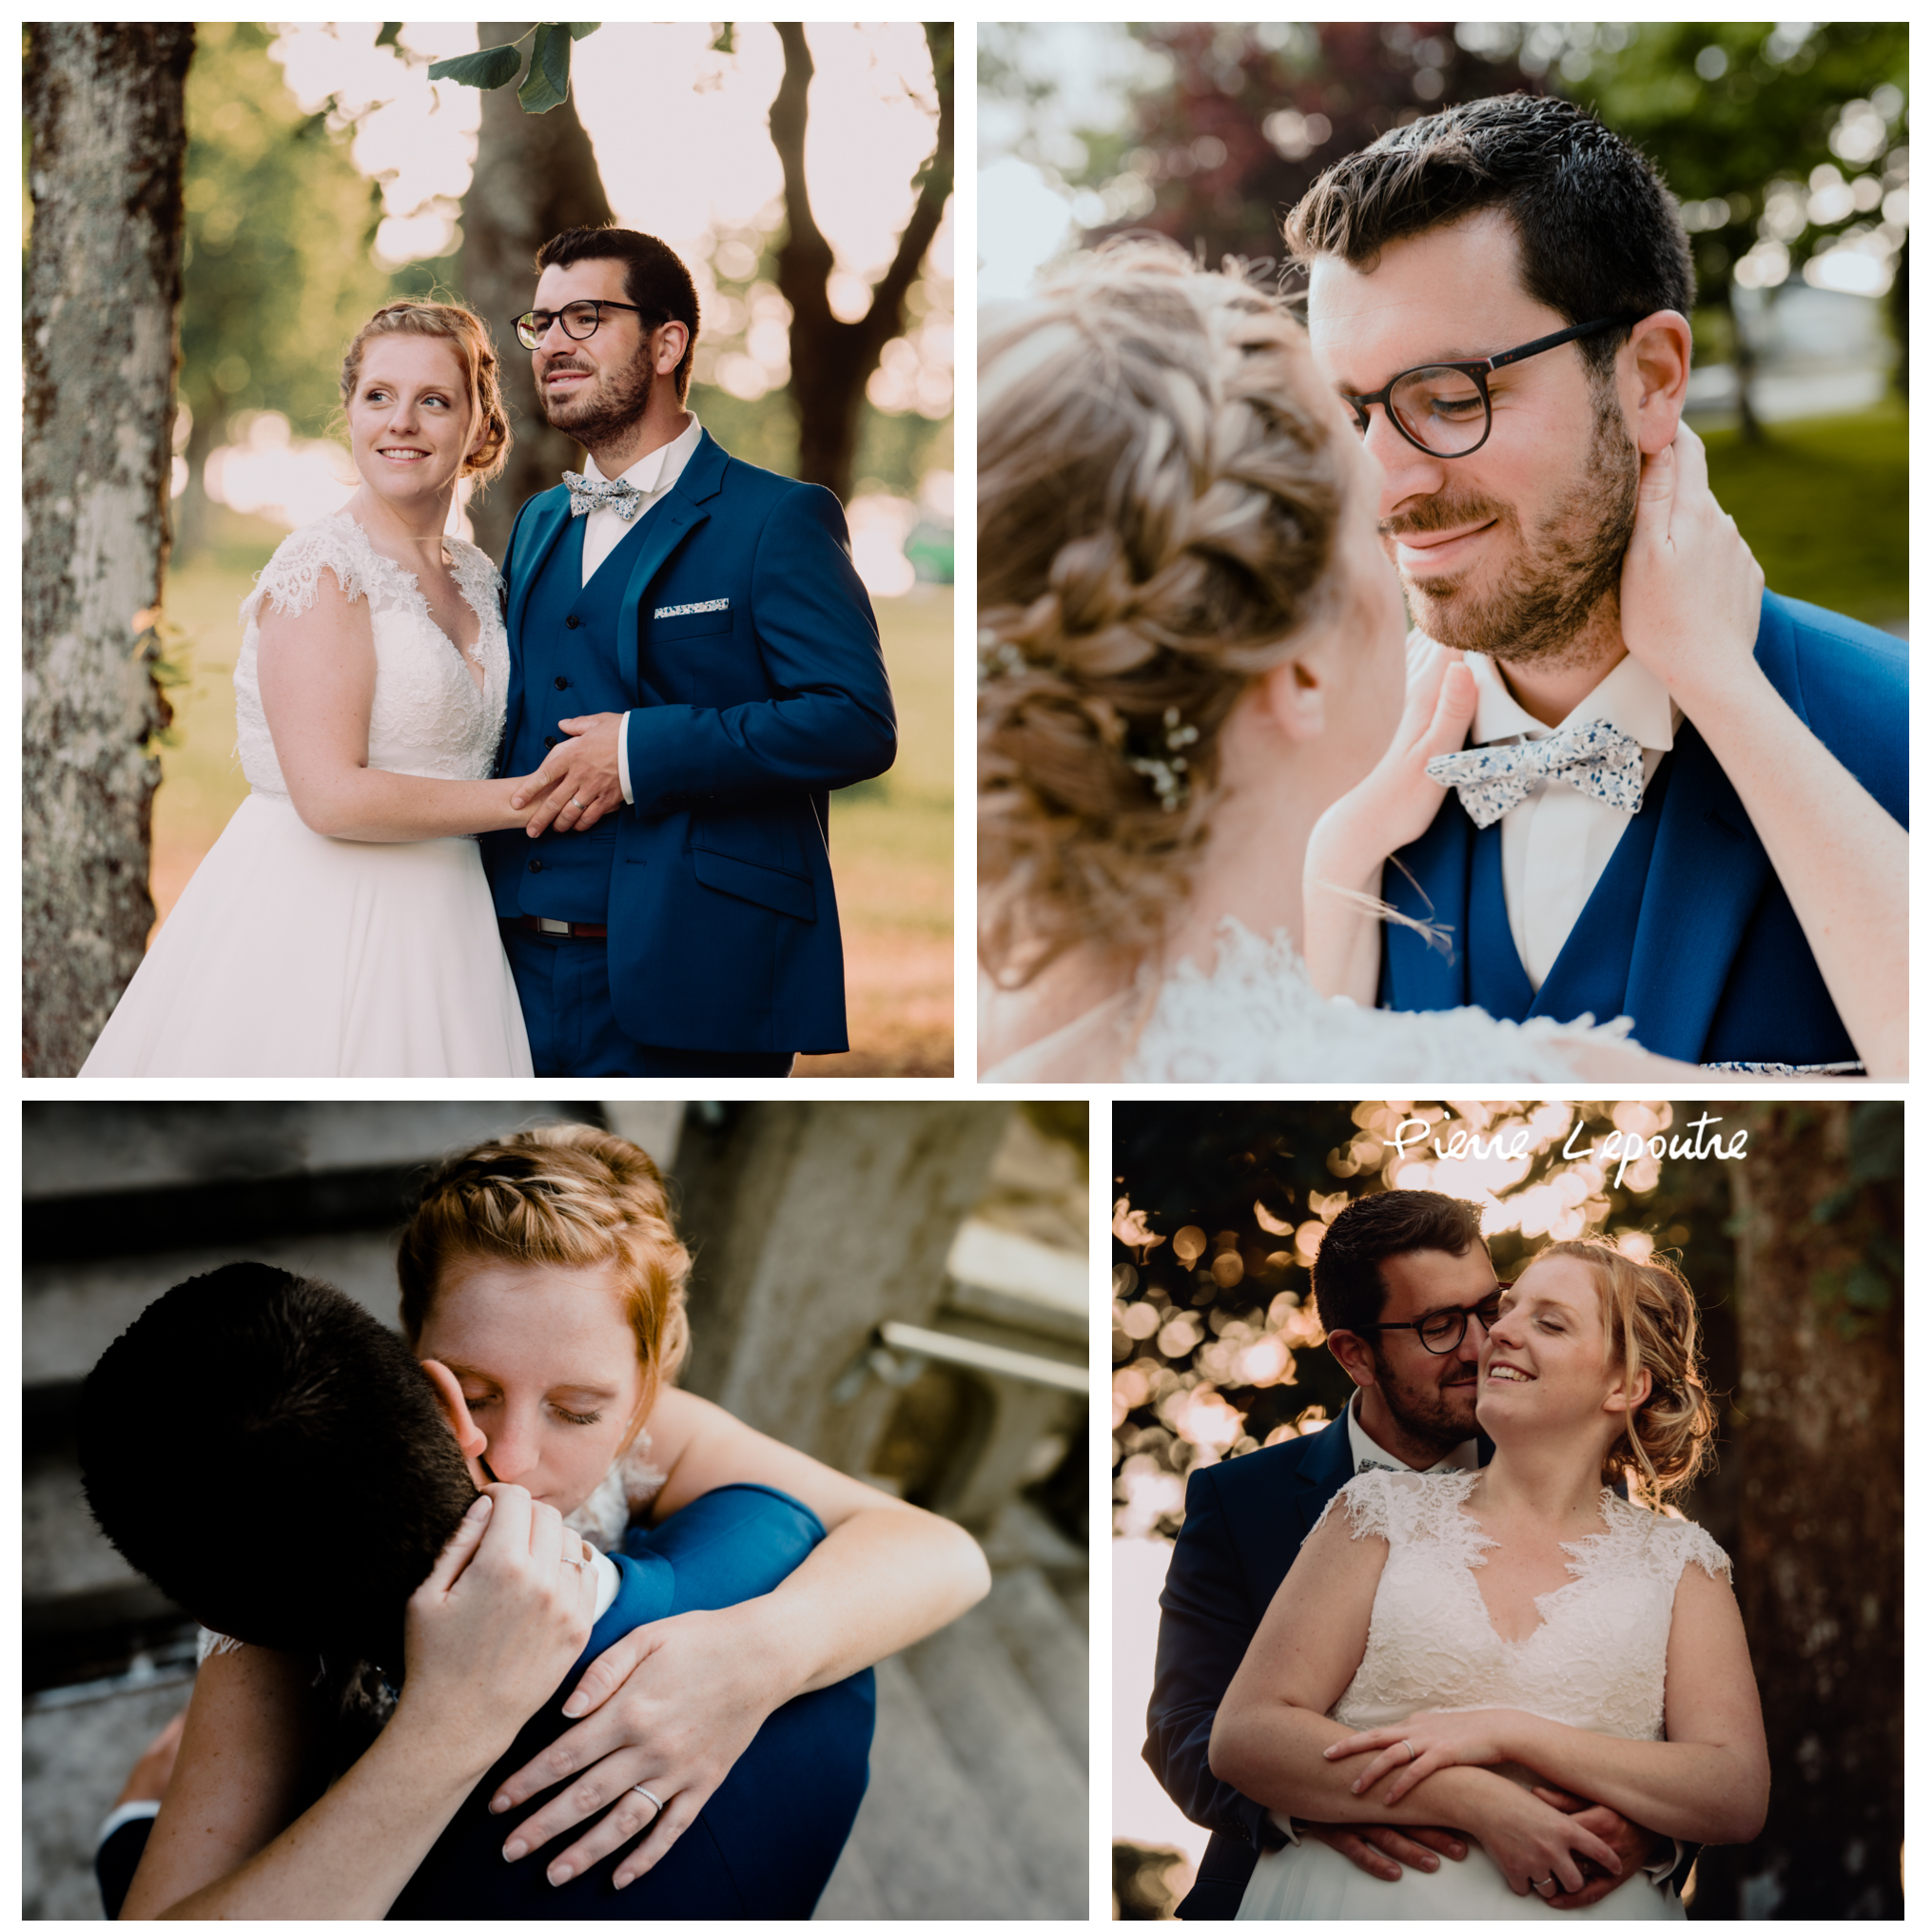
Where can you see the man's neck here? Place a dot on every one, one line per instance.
(635, 442)
(1549, 688)
(1378, 1422)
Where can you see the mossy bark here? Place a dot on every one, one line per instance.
(106, 115)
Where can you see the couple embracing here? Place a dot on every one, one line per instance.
(641, 719)
(500, 1623)
(1488, 1656)
(1628, 792)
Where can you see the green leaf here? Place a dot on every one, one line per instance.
(547, 83)
(578, 28)
(390, 30)
(723, 43)
(489, 67)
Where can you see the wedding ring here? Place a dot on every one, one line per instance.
(1539, 1883)
(653, 1796)
(576, 804)
(1412, 1750)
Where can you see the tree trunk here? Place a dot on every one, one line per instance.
(536, 175)
(831, 360)
(1745, 354)
(1821, 1523)
(105, 107)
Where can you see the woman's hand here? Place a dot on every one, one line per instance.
(1397, 801)
(1531, 1842)
(496, 1623)
(1426, 1742)
(1693, 591)
(670, 1706)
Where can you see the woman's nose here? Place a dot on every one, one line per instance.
(512, 1453)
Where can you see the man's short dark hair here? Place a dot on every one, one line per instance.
(1597, 231)
(1349, 1289)
(271, 1456)
(655, 280)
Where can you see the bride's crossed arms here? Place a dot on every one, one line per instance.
(1707, 1782)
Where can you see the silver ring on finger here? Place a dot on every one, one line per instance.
(1539, 1883)
(577, 805)
(1412, 1750)
(653, 1798)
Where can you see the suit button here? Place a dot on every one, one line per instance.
(570, 623)
(537, 865)
(561, 683)
(550, 744)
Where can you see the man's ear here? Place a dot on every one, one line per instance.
(1294, 696)
(1660, 358)
(667, 352)
(1354, 1352)
(456, 1411)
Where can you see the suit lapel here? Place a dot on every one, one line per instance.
(1496, 980)
(1705, 877)
(665, 528)
(548, 522)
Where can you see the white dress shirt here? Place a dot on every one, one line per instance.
(657, 475)
(1558, 841)
(1364, 1452)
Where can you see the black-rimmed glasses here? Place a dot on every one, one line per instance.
(1441, 1332)
(1444, 407)
(580, 320)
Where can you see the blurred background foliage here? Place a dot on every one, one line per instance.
(1794, 1248)
(1786, 144)
(301, 219)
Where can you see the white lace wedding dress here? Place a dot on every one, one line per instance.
(1597, 1661)
(292, 953)
(1256, 1016)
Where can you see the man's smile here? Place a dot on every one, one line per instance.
(1418, 553)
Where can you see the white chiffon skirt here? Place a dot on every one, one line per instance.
(1313, 1881)
(292, 954)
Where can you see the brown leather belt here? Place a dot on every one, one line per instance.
(557, 929)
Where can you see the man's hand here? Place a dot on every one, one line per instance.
(580, 774)
(1376, 1848)
(1635, 1846)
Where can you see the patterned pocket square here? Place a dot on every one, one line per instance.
(692, 610)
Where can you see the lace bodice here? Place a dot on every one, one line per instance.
(1597, 1661)
(1258, 1017)
(428, 718)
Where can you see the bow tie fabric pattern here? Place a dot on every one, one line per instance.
(1600, 761)
(589, 493)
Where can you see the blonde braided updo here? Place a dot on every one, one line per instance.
(1159, 493)
(562, 1196)
(1649, 1318)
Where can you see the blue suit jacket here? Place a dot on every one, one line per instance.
(752, 656)
(1689, 930)
(767, 1840)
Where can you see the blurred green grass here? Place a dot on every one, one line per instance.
(1823, 503)
(891, 838)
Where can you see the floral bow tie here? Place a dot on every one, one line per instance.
(1600, 761)
(589, 493)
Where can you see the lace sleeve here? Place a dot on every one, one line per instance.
(287, 582)
(212, 1644)
(1258, 1017)
(1368, 1500)
(1689, 1543)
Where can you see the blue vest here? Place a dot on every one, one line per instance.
(768, 1839)
(570, 669)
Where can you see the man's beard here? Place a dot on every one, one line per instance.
(1427, 1415)
(1559, 577)
(614, 404)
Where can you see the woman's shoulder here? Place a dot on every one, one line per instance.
(291, 580)
(1663, 1541)
(1402, 1505)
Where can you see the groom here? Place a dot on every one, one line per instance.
(694, 665)
(1485, 229)
(1393, 1269)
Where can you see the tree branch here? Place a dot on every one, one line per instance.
(935, 183)
(806, 259)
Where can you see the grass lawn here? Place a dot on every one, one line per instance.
(891, 839)
(1823, 504)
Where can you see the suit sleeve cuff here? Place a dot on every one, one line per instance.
(624, 758)
(1661, 1869)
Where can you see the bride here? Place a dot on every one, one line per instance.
(1194, 747)
(1446, 1643)
(342, 922)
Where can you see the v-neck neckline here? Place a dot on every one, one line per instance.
(479, 676)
